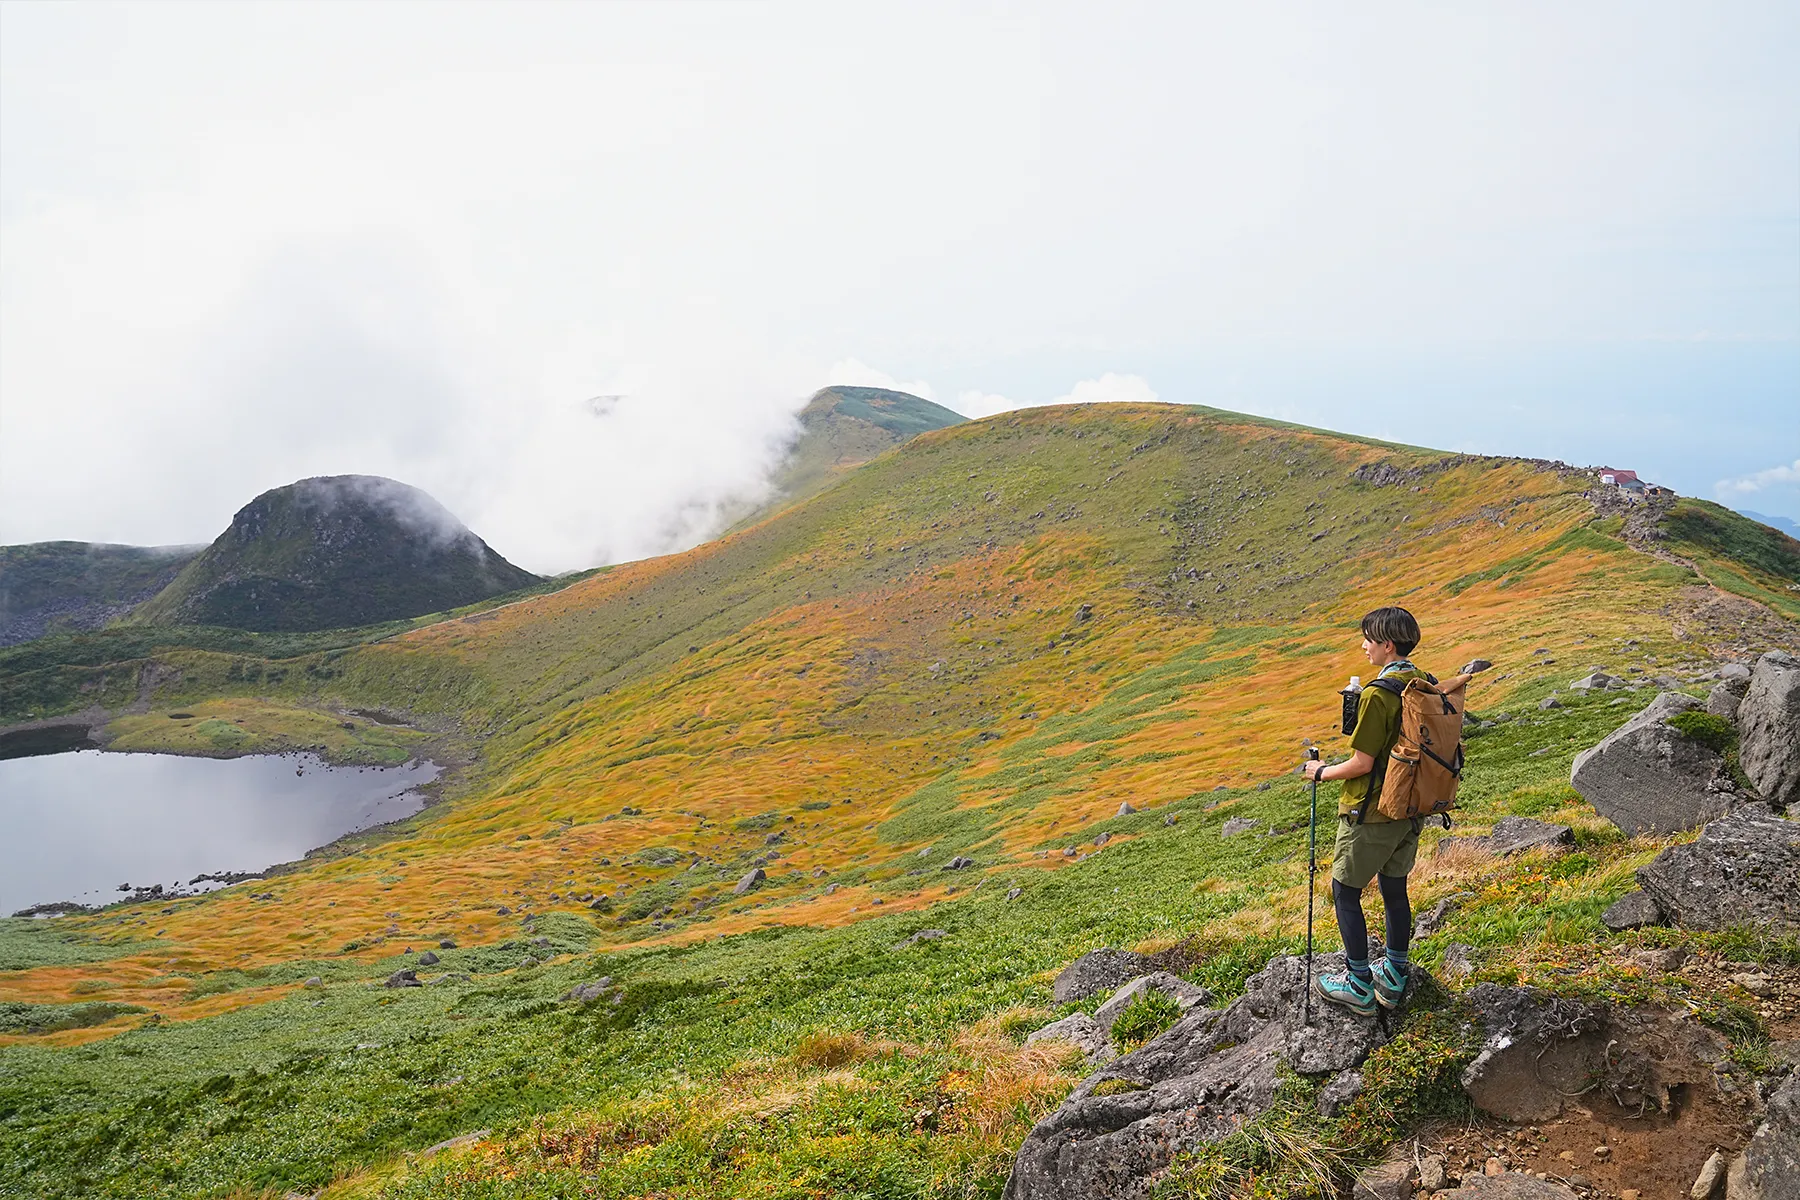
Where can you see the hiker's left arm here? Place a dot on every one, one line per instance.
(1354, 767)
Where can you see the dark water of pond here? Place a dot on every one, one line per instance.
(75, 826)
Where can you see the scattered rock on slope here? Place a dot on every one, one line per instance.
(1726, 697)
(1648, 777)
(1512, 835)
(1633, 910)
(1099, 971)
(1081, 1031)
(1743, 870)
(1769, 728)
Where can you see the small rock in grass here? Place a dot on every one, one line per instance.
(1633, 910)
(527, 963)
(1169, 819)
(446, 943)
(1661, 958)
(503, 911)
(1474, 665)
(403, 979)
(1549, 702)
(1237, 825)
(1432, 1177)
(313, 981)
(1125, 809)
(428, 959)
(1344, 1087)
(1385, 1181)
(754, 879)
(1102, 839)
(1014, 893)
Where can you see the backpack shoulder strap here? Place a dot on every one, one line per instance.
(1394, 686)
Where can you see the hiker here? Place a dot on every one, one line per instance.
(1371, 845)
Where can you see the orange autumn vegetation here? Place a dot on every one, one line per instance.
(979, 644)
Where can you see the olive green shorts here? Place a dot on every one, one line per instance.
(1362, 850)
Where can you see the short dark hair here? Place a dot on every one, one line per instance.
(1394, 625)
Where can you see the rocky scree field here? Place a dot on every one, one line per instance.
(1006, 684)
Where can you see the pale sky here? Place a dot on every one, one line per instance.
(243, 244)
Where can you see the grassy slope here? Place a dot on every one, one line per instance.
(900, 664)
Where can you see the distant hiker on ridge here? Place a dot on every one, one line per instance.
(1405, 764)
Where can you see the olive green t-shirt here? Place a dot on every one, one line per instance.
(1377, 729)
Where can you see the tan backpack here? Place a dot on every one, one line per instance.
(1425, 766)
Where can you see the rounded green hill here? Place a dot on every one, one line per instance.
(334, 551)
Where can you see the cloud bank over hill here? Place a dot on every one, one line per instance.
(239, 247)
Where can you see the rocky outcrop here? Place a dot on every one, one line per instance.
(1512, 835)
(1648, 777)
(1099, 971)
(1743, 870)
(1198, 1081)
(1769, 728)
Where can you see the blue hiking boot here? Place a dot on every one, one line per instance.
(1389, 982)
(1347, 990)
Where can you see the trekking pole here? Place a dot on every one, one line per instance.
(1312, 869)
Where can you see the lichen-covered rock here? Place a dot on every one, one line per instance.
(1769, 728)
(1195, 1083)
(1648, 777)
(1744, 869)
(753, 879)
(1099, 971)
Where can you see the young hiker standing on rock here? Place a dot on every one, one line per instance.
(1378, 833)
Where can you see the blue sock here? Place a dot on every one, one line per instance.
(1359, 967)
(1398, 960)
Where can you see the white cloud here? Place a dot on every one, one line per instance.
(244, 244)
(1110, 388)
(855, 373)
(1746, 485)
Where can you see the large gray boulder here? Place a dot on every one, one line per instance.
(1769, 728)
(1646, 776)
(1118, 1132)
(1769, 1167)
(1744, 869)
(1099, 971)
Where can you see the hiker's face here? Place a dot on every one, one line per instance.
(1378, 653)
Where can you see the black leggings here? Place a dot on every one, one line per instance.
(1355, 928)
